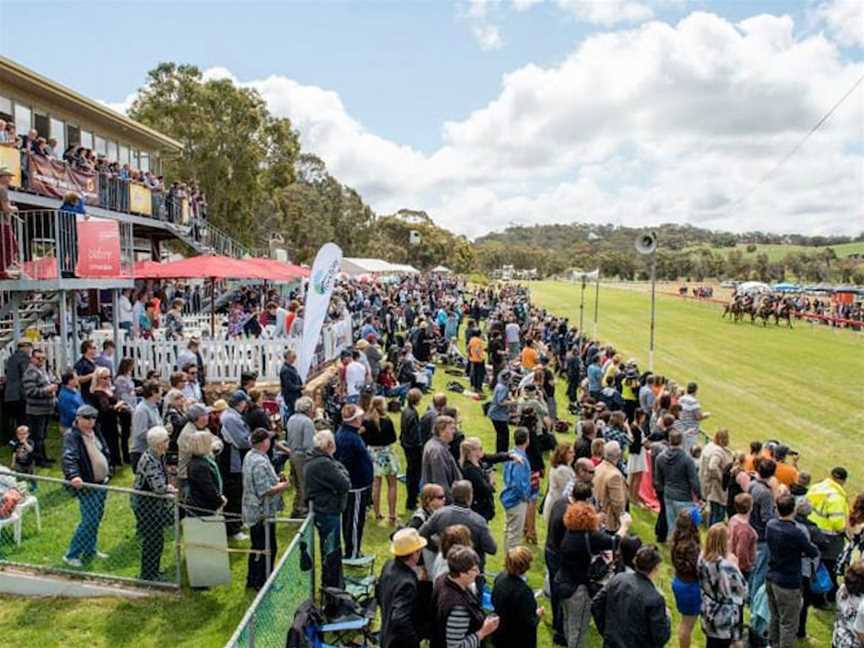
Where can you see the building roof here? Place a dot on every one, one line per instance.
(57, 94)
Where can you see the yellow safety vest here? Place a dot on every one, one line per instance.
(830, 506)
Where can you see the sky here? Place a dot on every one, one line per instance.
(487, 113)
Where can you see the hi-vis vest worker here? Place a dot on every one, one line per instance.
(830, 506)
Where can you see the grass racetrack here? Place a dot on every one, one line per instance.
(802, 386)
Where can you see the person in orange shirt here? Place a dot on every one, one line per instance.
(750, 460)
(786, 473)
(477, 358)
(529, 357)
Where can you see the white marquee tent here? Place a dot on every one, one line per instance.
(353, 266)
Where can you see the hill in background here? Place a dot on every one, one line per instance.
(684, 251)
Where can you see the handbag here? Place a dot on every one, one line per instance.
(821, 581)
(599, 571)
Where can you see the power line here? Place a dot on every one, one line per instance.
(800, 143)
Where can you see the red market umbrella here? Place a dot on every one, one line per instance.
(279, 270)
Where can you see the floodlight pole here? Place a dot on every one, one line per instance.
(582, 304)
(596, 303)
(653, 304)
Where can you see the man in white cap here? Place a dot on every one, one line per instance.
(8, 247)
(6, 205)
(397, 592)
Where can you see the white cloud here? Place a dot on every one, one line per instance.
(607, 12)
(525, 5)
(488, 37)
(659, 123)
(845, 19)
(121, 107)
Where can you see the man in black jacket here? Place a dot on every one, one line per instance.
(630, 611)
(85, 461)
(291, 385)
(398, 592)
(326, 484)
(412, 443)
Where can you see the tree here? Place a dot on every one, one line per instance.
(239, 154)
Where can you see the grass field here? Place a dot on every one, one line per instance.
(803, 386)
(778, 251)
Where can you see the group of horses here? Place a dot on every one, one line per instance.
(763, 306)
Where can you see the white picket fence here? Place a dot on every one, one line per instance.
(224, 360)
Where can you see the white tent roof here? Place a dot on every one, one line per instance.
(358, 265)
(441, 268)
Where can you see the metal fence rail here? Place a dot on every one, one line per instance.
(271, 614)
(114, 533)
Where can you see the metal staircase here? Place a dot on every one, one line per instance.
(33, 308)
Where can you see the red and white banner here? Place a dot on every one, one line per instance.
(98, 248)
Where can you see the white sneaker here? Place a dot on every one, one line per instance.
(239, 536)
(102, 555)
(72, 562)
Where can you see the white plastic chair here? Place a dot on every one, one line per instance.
(27, 503)
(14, 521)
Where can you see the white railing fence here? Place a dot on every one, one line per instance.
(224, 360)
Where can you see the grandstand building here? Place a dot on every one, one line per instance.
(46, 251)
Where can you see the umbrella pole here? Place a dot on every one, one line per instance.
(212, 308)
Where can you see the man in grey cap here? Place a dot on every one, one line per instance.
(86, 461)
(236, 435)
(198, 416)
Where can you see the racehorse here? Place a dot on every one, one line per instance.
(784, 310)
(763, 309)
(735, 309)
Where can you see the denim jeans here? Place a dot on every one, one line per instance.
(760, 568)
(673, 508)
(329, 532)
(91, 502)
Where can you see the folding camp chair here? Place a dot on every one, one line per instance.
(362, 584)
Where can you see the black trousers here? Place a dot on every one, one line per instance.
(149, 523)
(125, 419)
(232, 488)
(502, 436)
(13, 416)
(354, 521)
(260, 565)
(38, 424)
(661, 527)
(413, 470)
(572, 390)
(553, 563)
(478, 376)
(713, 642)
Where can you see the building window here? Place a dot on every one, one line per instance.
(124, 154)
(87, 139)
(5, 109)
(100, 145)
(23, 115)
(145, 161)
(112, 151)
(73, 135)
(136, 159)
(58, 132)
(41, 124)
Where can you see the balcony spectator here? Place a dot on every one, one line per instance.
(4, 134)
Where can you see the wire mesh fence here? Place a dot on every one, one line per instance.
(292, 581)
(95, 530)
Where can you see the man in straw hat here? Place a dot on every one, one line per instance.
(6, 205)
(398, 593)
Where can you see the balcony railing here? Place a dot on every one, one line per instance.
(53, 178)
(53, 244)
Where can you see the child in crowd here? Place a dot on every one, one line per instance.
(23, 460)
(597, 446)
(742, 536)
